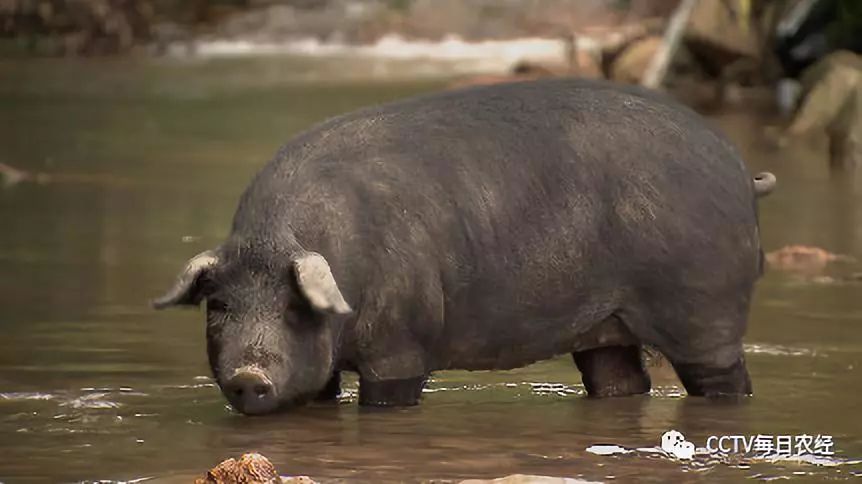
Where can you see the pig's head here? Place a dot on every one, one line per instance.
(270, 334)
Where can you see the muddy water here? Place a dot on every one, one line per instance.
(151, 160)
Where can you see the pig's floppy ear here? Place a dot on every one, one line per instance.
(317, 284)
(185, 290)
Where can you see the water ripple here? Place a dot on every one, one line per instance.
(26, 396)
(704, 457)
(779, 350)
(91, 401)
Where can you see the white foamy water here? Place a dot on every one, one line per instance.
(484, 56)
(778, 350)
(667, 391)
(191, 386)
(535, 388)
(26, 396)
(558, 389)
(91, 401)
(703, 455)
(459, 388)
(607, 449)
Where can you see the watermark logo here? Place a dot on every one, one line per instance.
(674, 443)
(782, 445)
(804, 448)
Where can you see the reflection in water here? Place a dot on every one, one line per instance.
(95, 385)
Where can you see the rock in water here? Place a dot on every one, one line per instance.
(250, 468)
(11, 175)
(804, 259)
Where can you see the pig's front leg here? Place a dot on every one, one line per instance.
(393, 381)
(391, 393)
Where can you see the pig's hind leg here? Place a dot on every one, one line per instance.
(613, 371)
(701, 335)
(609, 358)
(705, 380)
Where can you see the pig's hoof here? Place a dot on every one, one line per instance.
(391, 393)
(613, 371)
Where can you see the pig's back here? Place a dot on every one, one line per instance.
(508, 192)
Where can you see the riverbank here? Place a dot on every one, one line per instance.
(91, 27)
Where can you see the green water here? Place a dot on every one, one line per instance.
(149, 160)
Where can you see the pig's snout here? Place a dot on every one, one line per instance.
(250, 391)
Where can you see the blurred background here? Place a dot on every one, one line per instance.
(129, 128)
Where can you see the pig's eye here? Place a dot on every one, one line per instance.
(293, 312)
(300, 313)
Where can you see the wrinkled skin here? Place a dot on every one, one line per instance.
(485, 228)
(253, 319)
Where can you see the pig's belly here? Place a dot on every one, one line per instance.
(523, 343)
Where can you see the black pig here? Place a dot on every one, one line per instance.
(485, 228)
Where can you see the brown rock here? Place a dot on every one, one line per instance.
(722, 29)
(12, 176)
(583, 64)
(832, 103)
(586, 65)
(251, 468)
(803, 258)
(630, 66)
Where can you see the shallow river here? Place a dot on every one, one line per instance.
(149, 160)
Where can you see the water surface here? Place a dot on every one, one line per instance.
(150, 159)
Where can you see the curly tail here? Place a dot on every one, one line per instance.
(764, 183)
